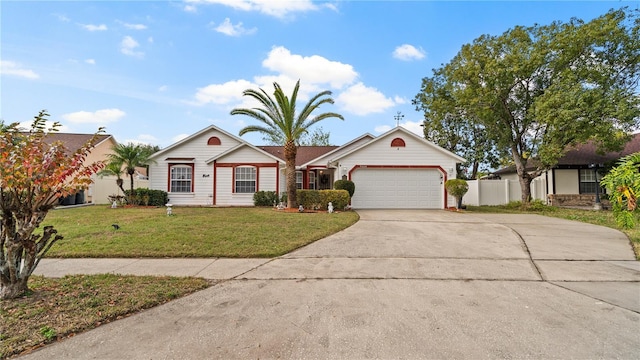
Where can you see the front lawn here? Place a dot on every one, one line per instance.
(58, 308)
(603, 218)
(190, 232)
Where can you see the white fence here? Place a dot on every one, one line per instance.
(500, 192)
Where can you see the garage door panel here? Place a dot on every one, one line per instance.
(398, 189)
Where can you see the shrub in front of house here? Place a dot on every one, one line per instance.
(309, 199)
(320, 199)
(345, 185)
(338, 198)
(265, 198)
(457, 188)
(148, 197)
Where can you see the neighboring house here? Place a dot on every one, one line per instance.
(574, 179)
(397, 169)
(100, 151)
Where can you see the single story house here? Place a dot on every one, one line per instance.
(573, 181)
(397, 169)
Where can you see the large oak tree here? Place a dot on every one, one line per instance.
(534, 91)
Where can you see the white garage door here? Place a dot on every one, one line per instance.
(397, 189)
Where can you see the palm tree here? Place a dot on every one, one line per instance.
(113, 168)
(281, 121)
(130, 156)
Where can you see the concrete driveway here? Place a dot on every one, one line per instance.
(401, 285)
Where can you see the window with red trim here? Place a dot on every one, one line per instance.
(245, 177)
(214, 140)
(181, 179)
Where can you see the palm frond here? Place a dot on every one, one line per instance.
(260, 129)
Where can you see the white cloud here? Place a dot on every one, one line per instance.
(362, 100)
(128, 46)
(316, 74)
(414, 127)
(400, 100)
(190, 8)
(408, 52)
(91, 27)
(313, 69)
(62, 17)
(163, 88)
(90, 61)
(280, 9)
(226, 93)
(99, 117)
(230, 29)
(150, 40)
(132, 26)
(16, 69)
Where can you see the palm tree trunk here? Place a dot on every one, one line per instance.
(119, 182)
(131, 196)
(290, 151)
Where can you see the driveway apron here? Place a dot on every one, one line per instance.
(402, 284)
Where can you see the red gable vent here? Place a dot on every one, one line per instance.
(397, 142)
(214, 140)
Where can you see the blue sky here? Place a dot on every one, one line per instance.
(157, 71)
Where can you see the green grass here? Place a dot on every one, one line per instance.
(58, 308)
(603, 218)
(190, 232)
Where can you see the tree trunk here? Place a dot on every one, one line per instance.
(523, 176)
(21, 251)
(474, 170)
(131, 177)
(11, 290)
(120, 182)
(290, 151)
(131, 197)
(525, 186)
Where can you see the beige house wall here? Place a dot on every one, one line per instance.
(566, 181)
(103, 187)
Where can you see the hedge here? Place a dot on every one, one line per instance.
(265, 198)
(338, 198)
(148, 197)
(309, 199)
(319, 199)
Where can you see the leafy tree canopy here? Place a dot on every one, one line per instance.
(532, 91)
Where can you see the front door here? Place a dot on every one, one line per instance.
(325, 179)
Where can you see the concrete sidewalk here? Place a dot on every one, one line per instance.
(214, 268)
(397, 284)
